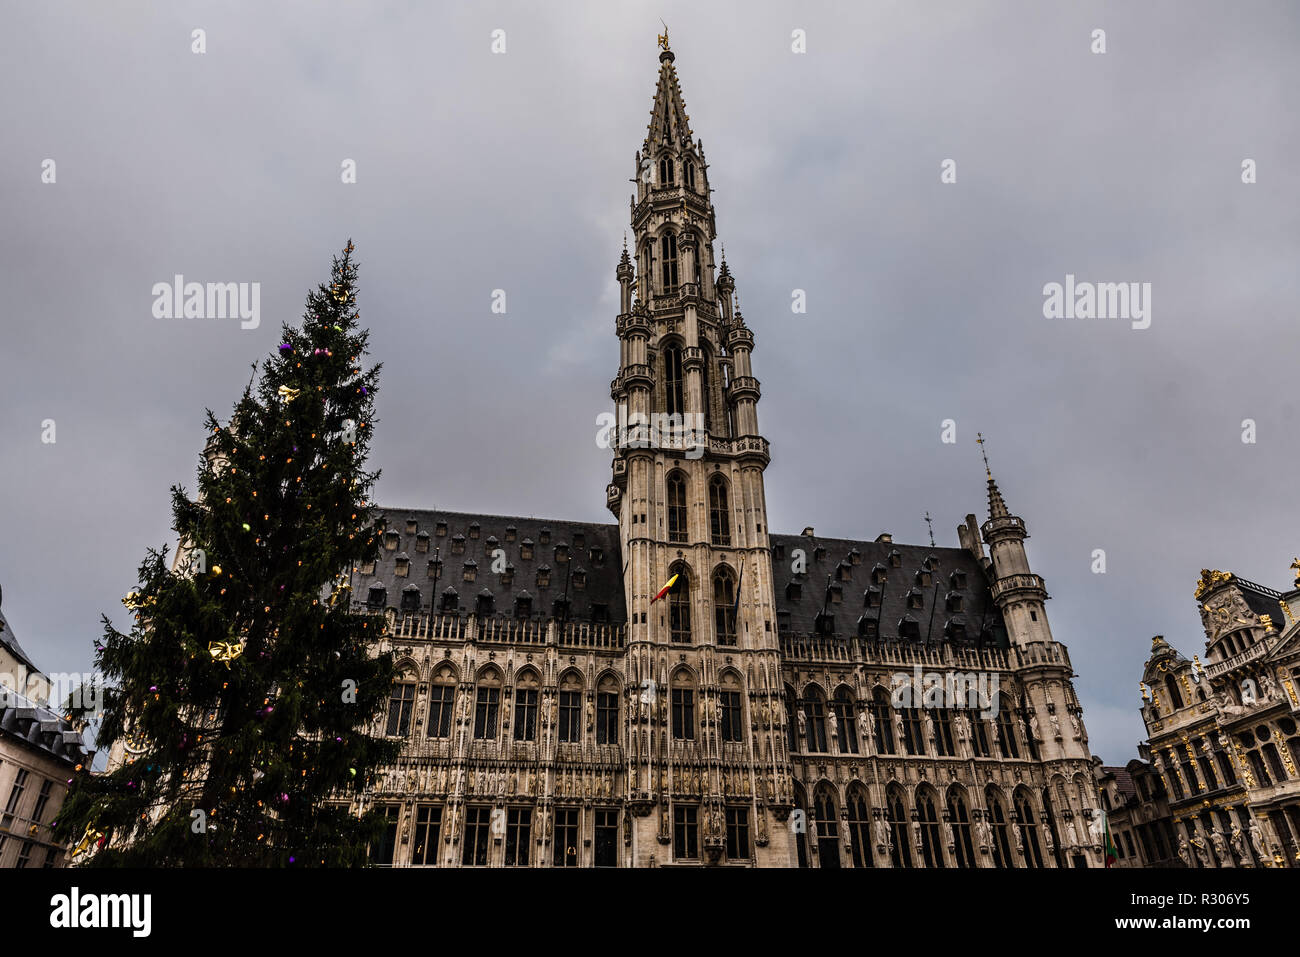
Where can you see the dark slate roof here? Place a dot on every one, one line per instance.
(10, 641)
(977, 608)
(1259, 598)
(39, 727)
(1123, 782)
(604, 571)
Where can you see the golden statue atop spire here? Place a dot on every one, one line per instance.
(663, 37)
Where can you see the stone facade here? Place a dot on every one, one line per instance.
(790, 700)
(1223, 735)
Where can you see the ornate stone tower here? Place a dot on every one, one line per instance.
(706, 737)
(1043, 691)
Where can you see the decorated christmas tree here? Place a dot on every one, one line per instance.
(243, 695)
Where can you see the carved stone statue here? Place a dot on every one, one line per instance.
(1268, 684)
(512, 783)
(1056, 724)
(949, 836)
(929, 725)
(1184, 852)
(916, 836)
(1238, 842)
(983, 831)
(1047, 840)
(867, 727)
(1033, 727)
(1075, 728)
(882, 835)
(1095, 831)
(1202, 850)
(898, 730)
(1071, 835)
(803, 724)
(834, 723)
(1020, 840)
(1220, 844)
(846, 840)
(1257, 841)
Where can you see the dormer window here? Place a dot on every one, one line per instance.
(377, 597)
(579, 540)
(508, 576)
(434, 568)
(440, 529)
(486, 603)
(470, 570)
(544, 536)
(778, 553)
(523, 605)
(561, 553)
(491, 544)
(824, 624)
(526, 549)
(915, 598)
(450, 600)
(402, 566)
(957, 580)
(367, 568)
(953, 602)
(836, 593)
(599, 611)
(844, 572)
(955, 629)
(579, 579)
(909, 628)
(871, 597)
(783, 622)
(411, 598)
(544, 576)
(819, 553)
(511, 533)
(390, 541)
(855, 557)
(879, 575)
(793, 591)
(474, 530)
(411, 526)
(596, 556)
(895, 559)
(868, 628)
(457, 544)
(923, 578)
(422, 541)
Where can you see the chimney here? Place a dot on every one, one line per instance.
(885, 538)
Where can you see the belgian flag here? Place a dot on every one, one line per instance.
(665, 590)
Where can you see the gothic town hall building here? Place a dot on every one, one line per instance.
(760, 713)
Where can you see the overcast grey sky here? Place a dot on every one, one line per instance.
(478, 171)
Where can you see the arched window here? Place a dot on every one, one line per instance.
(792, 722)
(859, 826)
(690, 174)
(442, 696)
(668, 263)
(828, 841)
(487, 705)
(719, 516)
(1028, 830)
(674, 395)
(1007, 740)
(913, 733)
(526, 697)
(815, 715)
(679, 605)
(844, 720)
(706, 389)
(730, 705)
(979, 734)
(884, 715)
(1171, 688)
(401, 704)
(666, 177)
(959, 818)
(571, 708)
(683, 700)
(800, 834)
(901, 853)
(1001, 841)
(943, 733)
(931, 849)
(607, 711)
(676, 507)
(724, 605)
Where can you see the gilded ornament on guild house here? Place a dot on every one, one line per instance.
(1211, 580)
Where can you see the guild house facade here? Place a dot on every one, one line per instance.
(686, 687)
